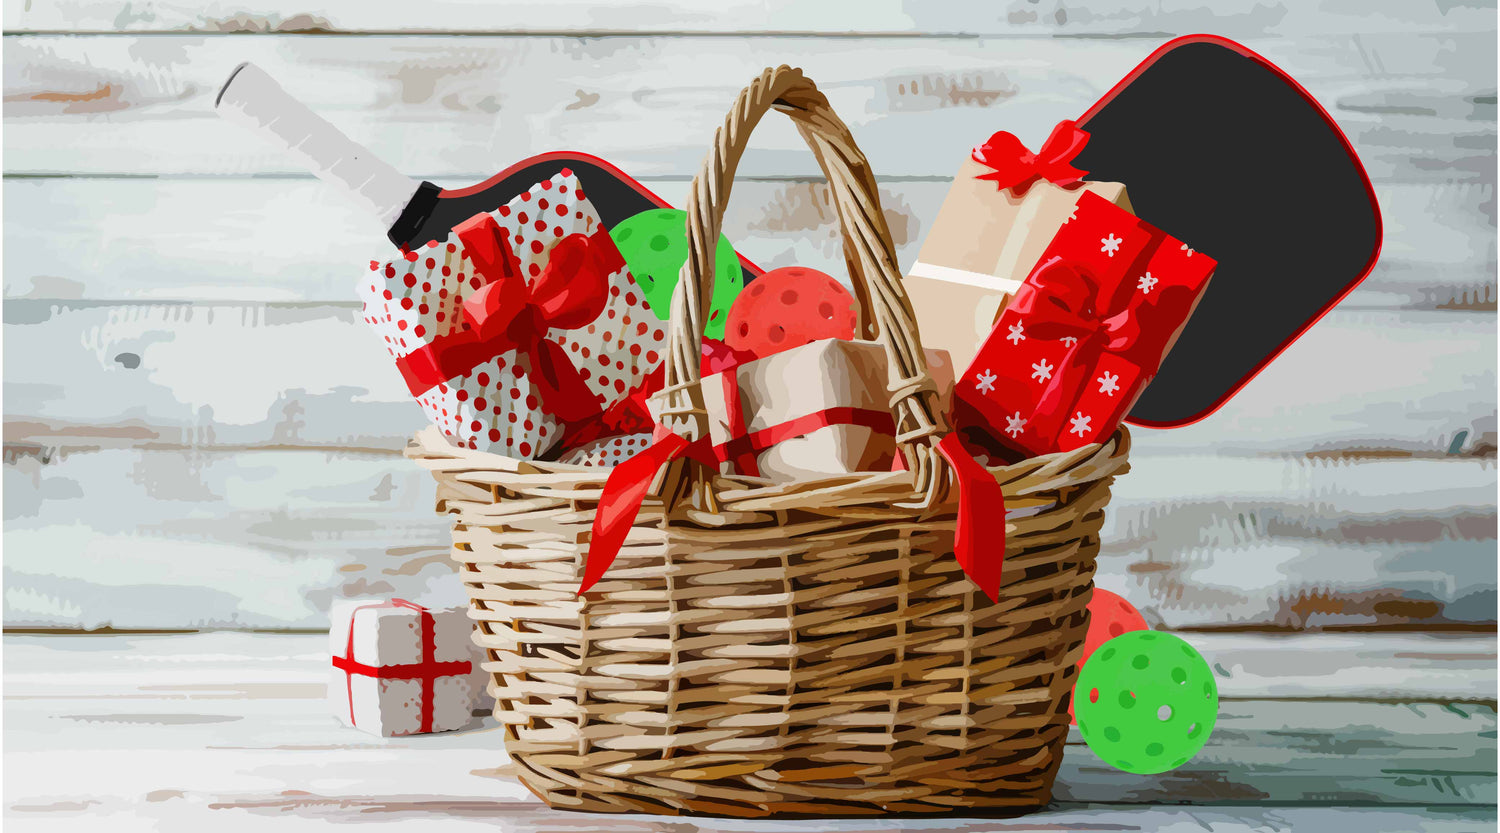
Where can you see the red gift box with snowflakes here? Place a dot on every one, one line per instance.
(1084, 334)
(523, 331)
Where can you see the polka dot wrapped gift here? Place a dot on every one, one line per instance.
(522, 327)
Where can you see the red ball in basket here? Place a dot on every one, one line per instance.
(789, 307)
(524, 325)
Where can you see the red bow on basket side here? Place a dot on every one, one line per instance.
(509, 313)
(978, 539)
(1016, 168)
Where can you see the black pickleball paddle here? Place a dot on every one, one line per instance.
(1221, 149)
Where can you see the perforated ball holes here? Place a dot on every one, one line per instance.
(1151, 702)
(654, 245)
(790, 307)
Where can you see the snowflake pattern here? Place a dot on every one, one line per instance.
(1189, 251)
(1041, 371)
(1017, 334)
(1080, 424)
(1014, 425)
(1109, 245)
(1145, 282)
(1069, 340)
(1109, 383)
(986, 382)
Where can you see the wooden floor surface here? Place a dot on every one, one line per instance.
(233, 731)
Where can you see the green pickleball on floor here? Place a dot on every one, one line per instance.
(1146, 702)
(654, 245)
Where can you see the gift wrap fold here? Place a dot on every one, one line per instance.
(401, 669)
(524, 325)
(814, 410)
(1084, 335)
(1003, 207)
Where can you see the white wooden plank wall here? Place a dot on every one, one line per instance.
(199, 433)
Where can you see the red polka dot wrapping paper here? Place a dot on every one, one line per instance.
(606, 452)
(413, 299)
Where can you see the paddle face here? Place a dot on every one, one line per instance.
(1220, 149)
(614, 195)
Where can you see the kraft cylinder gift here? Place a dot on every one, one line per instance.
(819, 408)
(667, 638)
(1001, 209)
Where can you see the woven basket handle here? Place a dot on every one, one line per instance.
(867, 247)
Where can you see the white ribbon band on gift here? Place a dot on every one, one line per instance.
(961, 276)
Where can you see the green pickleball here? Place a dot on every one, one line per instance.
(654, 245)
(1146, 702)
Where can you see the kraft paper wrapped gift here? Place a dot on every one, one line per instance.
(1001, 211)
(822, 408)
(401, 669)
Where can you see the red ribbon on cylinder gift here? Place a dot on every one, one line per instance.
(1016, 168)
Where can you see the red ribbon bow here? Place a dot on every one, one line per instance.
(1059, 301)
(508, 313)
(1016, 168)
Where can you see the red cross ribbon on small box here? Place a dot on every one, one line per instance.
(427, 669)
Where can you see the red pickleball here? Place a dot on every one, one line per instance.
(1109, 616)
(789, 307)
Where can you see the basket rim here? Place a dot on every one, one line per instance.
(431, 449)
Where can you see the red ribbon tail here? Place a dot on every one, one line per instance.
(563, 391)
(979, 540)
(624, 491)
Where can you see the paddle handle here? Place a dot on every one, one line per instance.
(253, 100)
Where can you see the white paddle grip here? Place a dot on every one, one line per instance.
(252, 99)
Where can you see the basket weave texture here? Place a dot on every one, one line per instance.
(799, 648)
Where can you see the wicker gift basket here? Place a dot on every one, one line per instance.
(802, 648)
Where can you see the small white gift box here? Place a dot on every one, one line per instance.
(401, 669)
